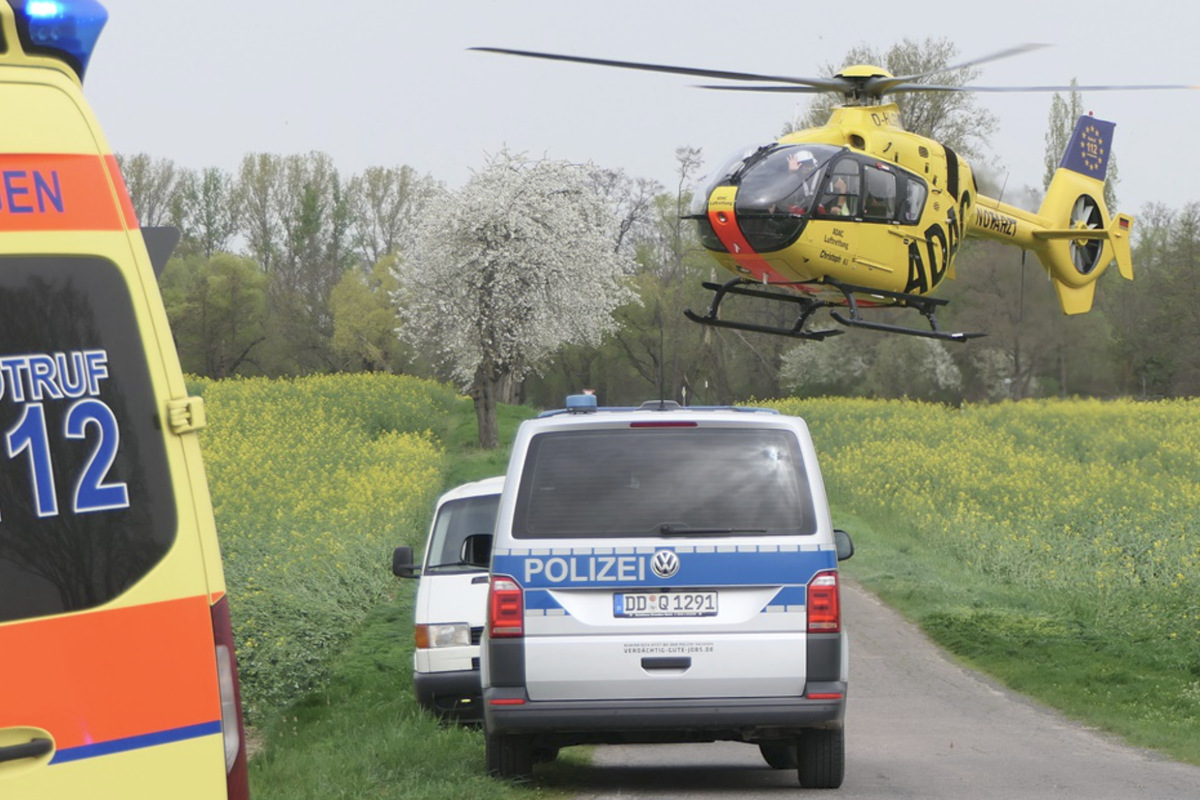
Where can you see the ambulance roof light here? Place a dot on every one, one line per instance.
(65, 29)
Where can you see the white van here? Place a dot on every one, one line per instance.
(665, 574)
(451, 600)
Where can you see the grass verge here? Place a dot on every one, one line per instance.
(467, 460)
(365, 735)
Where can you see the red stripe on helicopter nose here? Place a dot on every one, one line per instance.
(724, 225)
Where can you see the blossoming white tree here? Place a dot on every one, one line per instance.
(504, 272)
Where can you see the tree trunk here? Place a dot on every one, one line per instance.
(486, 392)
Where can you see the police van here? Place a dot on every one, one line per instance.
(117, 669)
(449, 612)
(665, 574)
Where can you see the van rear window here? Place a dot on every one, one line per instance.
(86, 504)
(633, 482)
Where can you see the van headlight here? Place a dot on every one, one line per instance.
(454, 634)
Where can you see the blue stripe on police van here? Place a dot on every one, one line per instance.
(137, 742)
(542, 603)
(789, 598)
(716, 567)
(681, 549)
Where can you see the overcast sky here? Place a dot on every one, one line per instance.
(390, 82)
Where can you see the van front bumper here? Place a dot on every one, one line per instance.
(454, 695)
(507, 710)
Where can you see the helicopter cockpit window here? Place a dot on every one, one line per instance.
(722, 174)
(914, 201)
(880, 200)
(776, 190)
(785, 181)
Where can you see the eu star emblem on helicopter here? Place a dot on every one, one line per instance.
(860, 214)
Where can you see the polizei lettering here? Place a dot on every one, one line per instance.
(585, 569)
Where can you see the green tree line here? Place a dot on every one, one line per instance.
(286, 267)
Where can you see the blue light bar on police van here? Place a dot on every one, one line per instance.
(65, 29)
(581, 403)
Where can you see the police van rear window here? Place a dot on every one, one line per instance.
(86, 504)
(663, 482)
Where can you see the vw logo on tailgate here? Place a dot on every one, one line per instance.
(665, 563)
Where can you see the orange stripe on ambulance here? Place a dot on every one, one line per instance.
(56, 192)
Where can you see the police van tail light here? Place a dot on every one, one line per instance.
(506, 608)
(232, 728)
(824, 608)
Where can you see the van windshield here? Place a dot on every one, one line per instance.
(663, 481)
(456, 520)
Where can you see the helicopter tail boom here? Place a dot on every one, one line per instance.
(1073, 235)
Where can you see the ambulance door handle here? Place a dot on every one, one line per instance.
(31, 749)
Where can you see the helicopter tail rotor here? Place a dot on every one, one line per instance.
(1082, 238)
(1073, 235)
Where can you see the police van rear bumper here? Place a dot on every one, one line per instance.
(507, 710)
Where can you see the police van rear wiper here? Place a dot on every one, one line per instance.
(669, 529)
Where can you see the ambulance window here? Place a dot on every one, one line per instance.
(86, 502)
(629, 483)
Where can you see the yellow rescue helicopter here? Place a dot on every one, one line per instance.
(861, 214)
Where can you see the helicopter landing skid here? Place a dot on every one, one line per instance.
(808, 304)
(928, 307)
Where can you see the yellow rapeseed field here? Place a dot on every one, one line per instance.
(1093, 505)
(314, 481)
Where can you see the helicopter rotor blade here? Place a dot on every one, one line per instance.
(998, 55)
(1145, 87)
(880, 86)
(818, 84)
(760, 88)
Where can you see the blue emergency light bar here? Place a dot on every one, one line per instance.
(581, 403)
(64, 29)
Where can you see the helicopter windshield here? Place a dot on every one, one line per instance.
(733, 164)
(776, 188)
(783, 180)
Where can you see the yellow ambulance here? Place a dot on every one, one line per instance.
(117, 673)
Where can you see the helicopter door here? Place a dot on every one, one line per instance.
(877, 249)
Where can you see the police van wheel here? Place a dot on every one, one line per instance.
(822, 759)
(779, 755)
(509, 756)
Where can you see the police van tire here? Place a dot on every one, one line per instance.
(779, 755)
(822, 759)
(509, 756)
